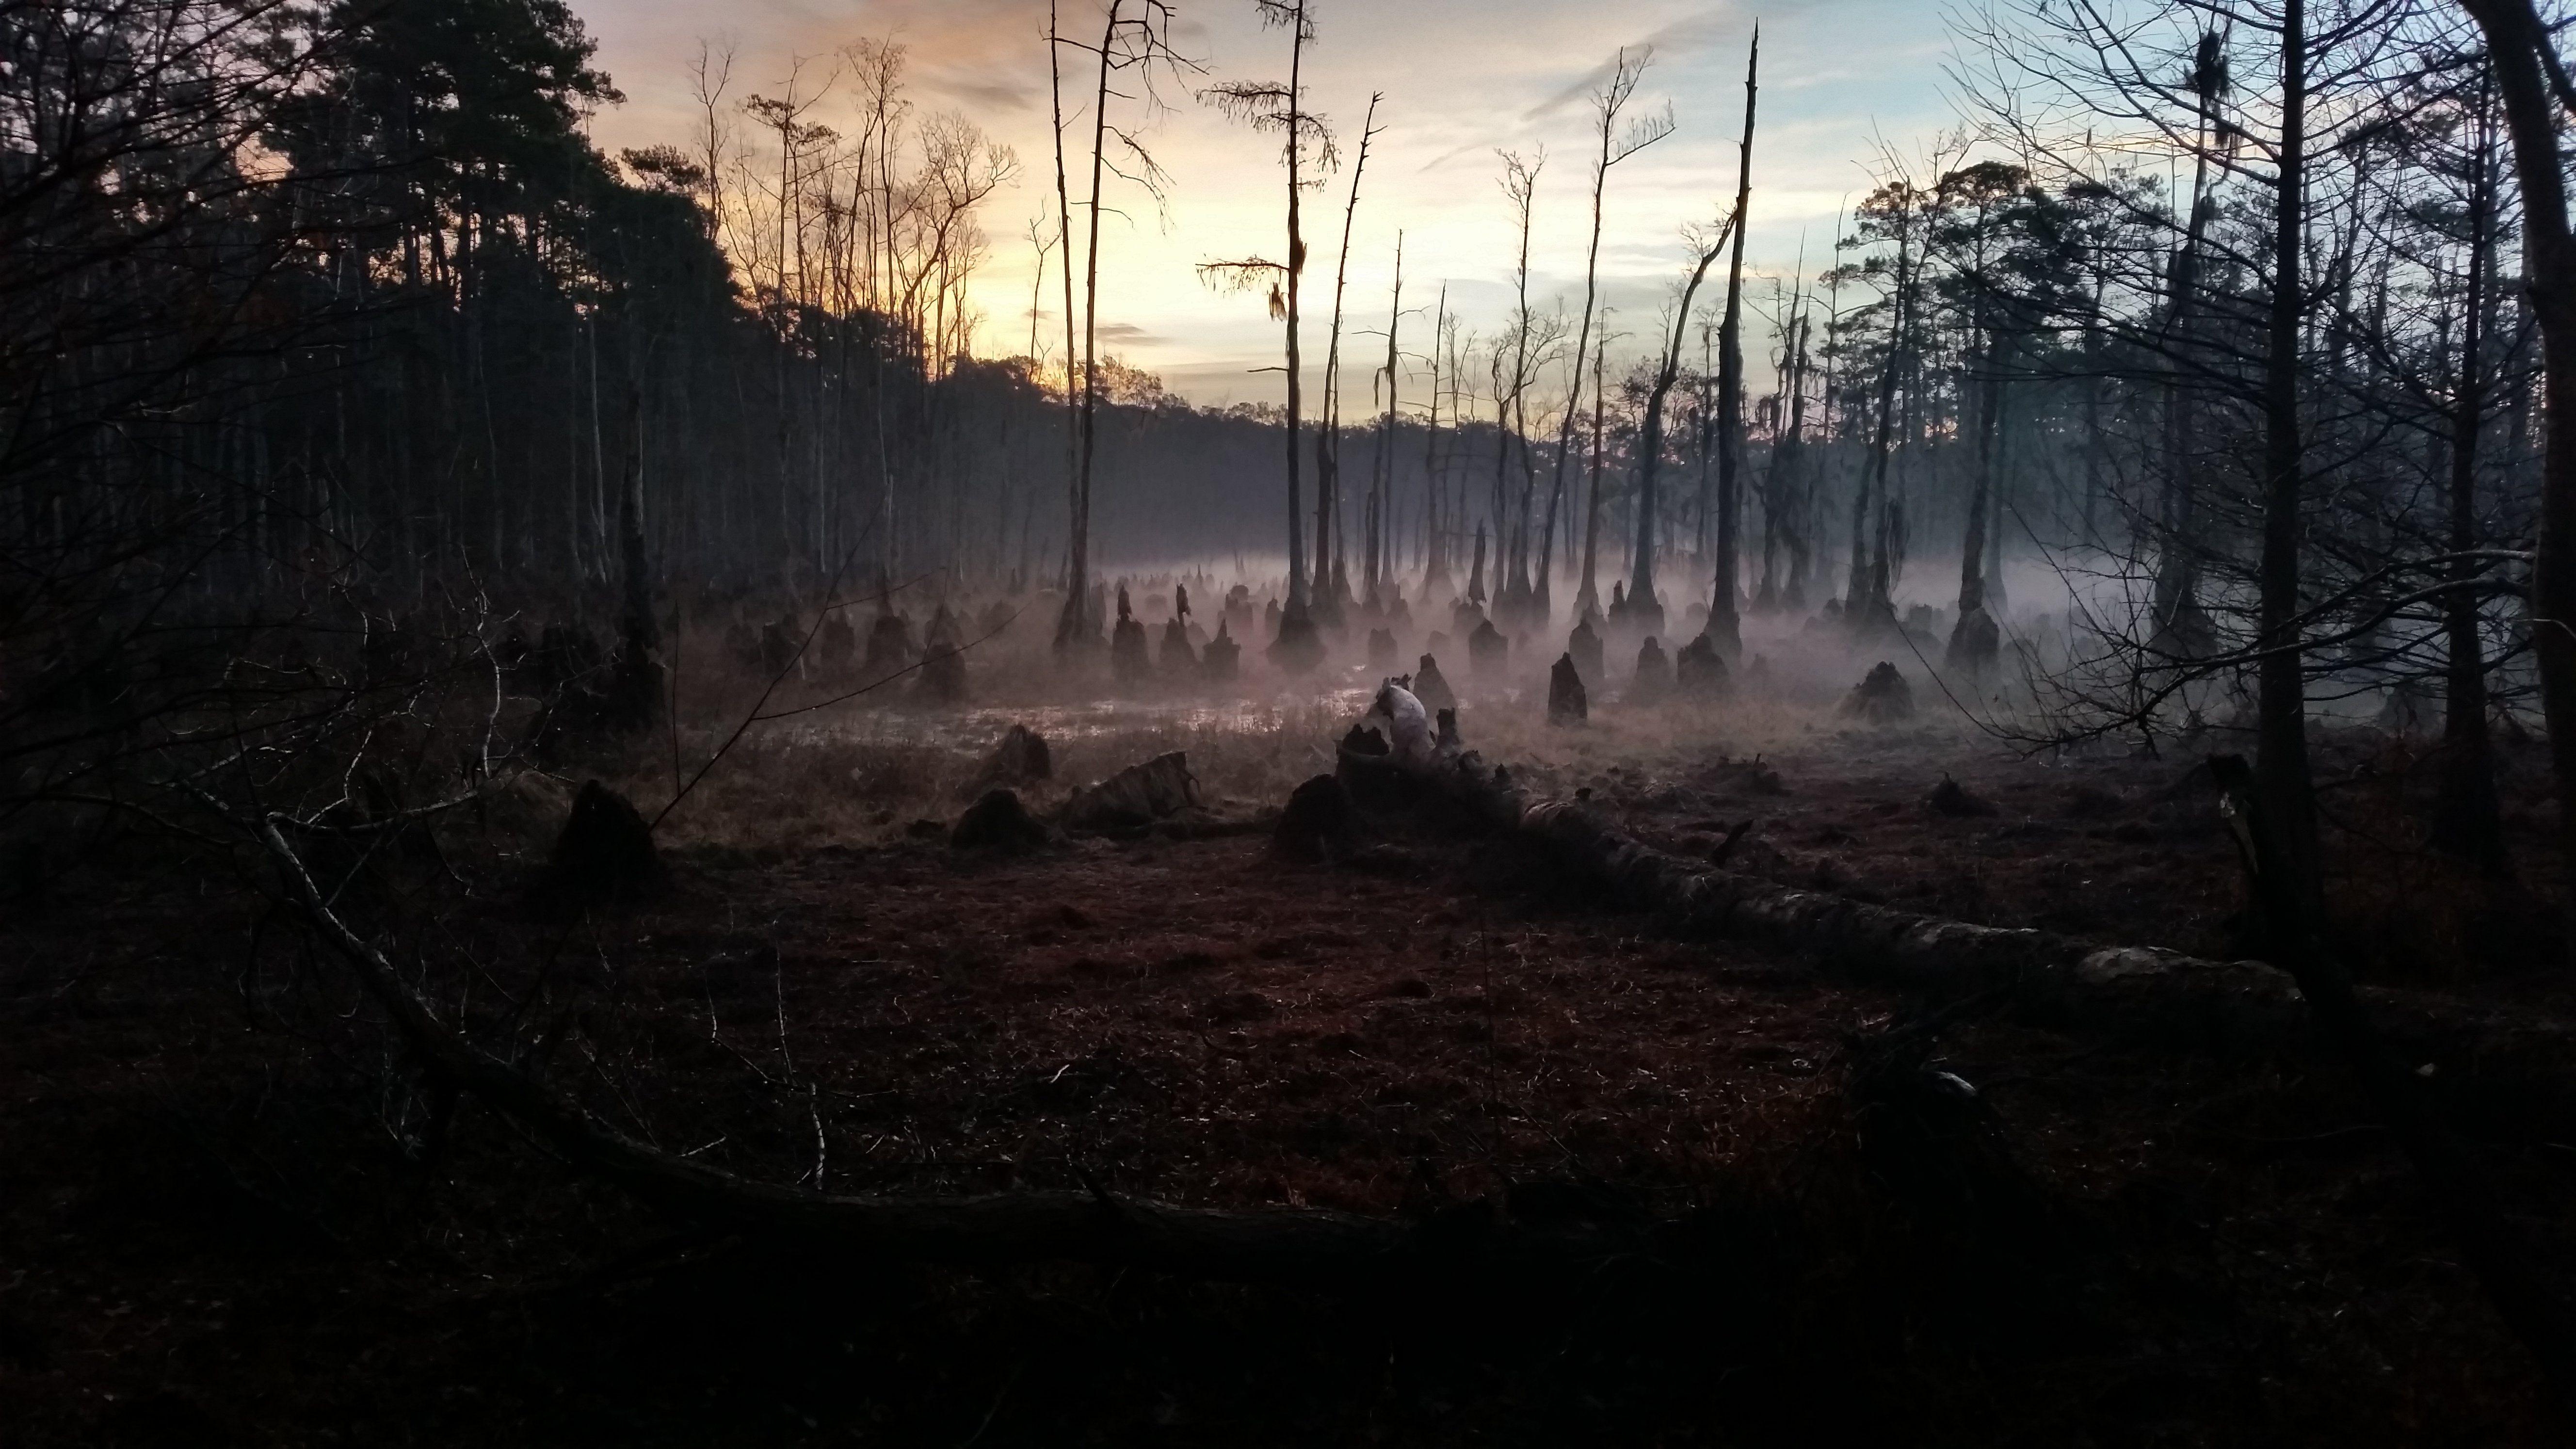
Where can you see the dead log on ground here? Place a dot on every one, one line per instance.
(2513, 1068)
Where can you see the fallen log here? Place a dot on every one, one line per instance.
(2517, 1067)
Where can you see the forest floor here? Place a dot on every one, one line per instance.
(229, 1212)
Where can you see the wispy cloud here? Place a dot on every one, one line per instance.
(1681, 37)
(979, 90)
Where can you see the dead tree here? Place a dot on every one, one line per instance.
(1332, 574)
(1272, 107)
(1512, 595)
(1784, 522)
(1607, 103)
(1645, 610)
(1382, 465)
(1131, 40)
(1439, 526)
(1723, 625)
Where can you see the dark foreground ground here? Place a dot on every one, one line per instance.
(231, 1212)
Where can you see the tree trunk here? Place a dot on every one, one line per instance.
(1073, 625)
(1091, 331)
(2466, 820)
(1865, 603)
(2515, 37)
(1587, 598)
(1974, 639)
(1643, 606)
(2281, 726)
(1724, 628)
(1296, 628)
(637, 683)
(1382, 475)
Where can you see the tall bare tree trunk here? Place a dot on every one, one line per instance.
(1785, 519)
(1865, 602)
(1587, 597)
(1644, 609)
(1332, 572)
(1074, 626)
(1724, 628)
(2517, 40)
(1382, 476)
(1091, 311)
(2181, 627)
(2467, 823)
(1296, 627)
(1436, 524)
(636, 685)
(2281, 727)
(1607, 104)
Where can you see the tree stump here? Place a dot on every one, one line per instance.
(1583, 646)
(606, 852)
(1135, 797)
(943, 663)
(1431, 688)
(1975, 643)
(1296, 648)
(780, 639)
(838, 645)
(1699, 671)
(1948, 798)
(997, 822)
(1565, 701)
(1489, 654)
(1320, 823)
(889, 646)
(1882, 698)
(1653, 681)
(1178, 661)
(1127, 662)
(1219, 664)
(1381, 648)
(1022, 758)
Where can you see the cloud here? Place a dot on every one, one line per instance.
(1679, 38)
(991, 95)
(1448, 156)
(1127, 332)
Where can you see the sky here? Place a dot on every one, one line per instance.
(1459, 79)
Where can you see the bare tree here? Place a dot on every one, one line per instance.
(1645, 613)
(1382, 463)
(1137, 41)
(1511, 508)
(1440, 526)
(1608, 102)
(1306, 145)
(1723, 626)
(1332, 575)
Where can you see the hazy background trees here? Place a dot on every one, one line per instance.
(2209, 353)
